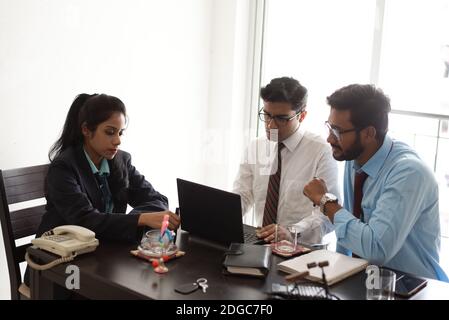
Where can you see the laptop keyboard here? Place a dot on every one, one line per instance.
(250, 236)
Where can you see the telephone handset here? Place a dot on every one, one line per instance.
(67, 241)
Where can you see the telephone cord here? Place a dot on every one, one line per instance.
(49, 265)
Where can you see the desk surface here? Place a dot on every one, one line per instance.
(112, 273)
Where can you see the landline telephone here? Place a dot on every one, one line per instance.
(67, 241)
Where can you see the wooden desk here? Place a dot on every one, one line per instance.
(112, 273)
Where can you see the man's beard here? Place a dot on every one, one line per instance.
(352, 153)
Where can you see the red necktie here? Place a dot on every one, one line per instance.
(357, 210)
(359, 180)
(271, 203)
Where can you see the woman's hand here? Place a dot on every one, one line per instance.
(154, 219)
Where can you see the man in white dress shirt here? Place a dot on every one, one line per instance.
(275, 191)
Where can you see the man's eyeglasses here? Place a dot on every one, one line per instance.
(279, 120)
(336, 132)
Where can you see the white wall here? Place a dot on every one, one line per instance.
(172, 62)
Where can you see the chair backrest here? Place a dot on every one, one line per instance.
(18, 185)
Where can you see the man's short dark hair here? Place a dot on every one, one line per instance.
(285, 90)
(368, 105)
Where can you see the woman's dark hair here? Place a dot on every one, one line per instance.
(285, 90)
(89, 110)
(368, 106)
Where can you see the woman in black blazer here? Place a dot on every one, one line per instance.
(90, 181)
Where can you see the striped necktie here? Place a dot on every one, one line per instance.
(271, 203)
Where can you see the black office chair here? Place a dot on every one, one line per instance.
(18, 185)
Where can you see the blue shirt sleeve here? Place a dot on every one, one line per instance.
(397, 207)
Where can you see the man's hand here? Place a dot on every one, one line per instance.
(268, 233)
(154, 219)
(315, 190)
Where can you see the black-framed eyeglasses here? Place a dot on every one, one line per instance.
(336, 132)
(279, 120)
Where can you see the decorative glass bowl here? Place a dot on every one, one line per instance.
(153, 245)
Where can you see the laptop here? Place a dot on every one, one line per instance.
(213, 214)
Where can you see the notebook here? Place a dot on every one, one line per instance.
(248, 259)
(213, 214)
(340, 266)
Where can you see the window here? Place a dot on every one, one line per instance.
(402, 46)
(323, 49)
(414, 64)
(414, 72)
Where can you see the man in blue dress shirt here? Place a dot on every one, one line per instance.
(390, 215)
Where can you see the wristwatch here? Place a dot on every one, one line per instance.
(327, 197)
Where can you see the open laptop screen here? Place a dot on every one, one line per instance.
(210, 213)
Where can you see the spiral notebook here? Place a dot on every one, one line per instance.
(340, 266)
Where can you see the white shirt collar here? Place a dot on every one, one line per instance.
(293, 141)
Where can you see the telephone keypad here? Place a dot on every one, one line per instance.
(58, 238)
